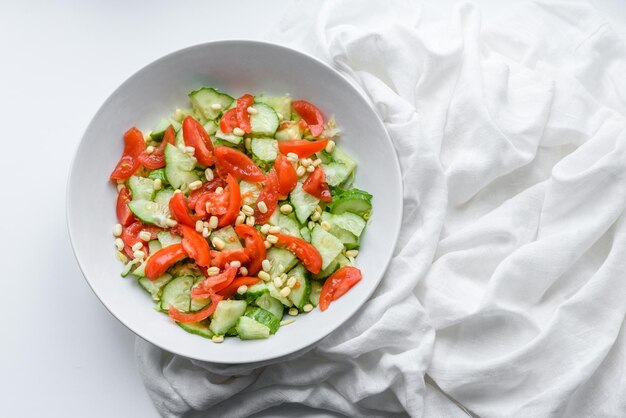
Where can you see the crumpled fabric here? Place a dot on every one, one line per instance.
(507, 284)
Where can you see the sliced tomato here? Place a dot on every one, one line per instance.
(234, 202)
(231, 289)
(268, 195)
(338, 284)
(180, 211)
(195, 245)
(222, 258)
(134, 145)
(202, 314)
(302, 147)
(163, 259)
(207, 187)
(196, 136)
(232, 161)
(287, 176)
(243, 117)
(229, 121)
(156, 159)
(311, 114)
(308, 254)
(255, 246)
(124, 215)
(214, 283)
(130, 236)
(212, 203)
(315, 185)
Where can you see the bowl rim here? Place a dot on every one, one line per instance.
(396, 221)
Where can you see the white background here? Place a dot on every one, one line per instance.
(61, 352)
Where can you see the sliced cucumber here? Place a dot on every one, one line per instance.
(280, 104)
(128, 267)
(282, 260)
(166, 238)
(264, 317)
(288, 131)
(211, 127)
(288, 225)
(232, 138)
(229, 236)
(203, 100)
(275, 293)
(347, 221)
(161, 127)
(305, 233)
(154, 246)
(180, 139)
(342, 260)
(353, 200)
(316, 289)
(271, 304)
(303, 203)
(179, 167)
(150, 212)
(159, 173)
(330, 269)
(141, 188)
(340, 156)
(299, 294)
(265, 149)
(256, 291)
(249, 329)
(154, 287)
(264, 122)
(176, 293)
(164, 196)
(327, 244)
(197, 328)
(226, 315)
(185, 269)
(335, 173)
(249, 192)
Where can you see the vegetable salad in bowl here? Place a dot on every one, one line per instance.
(235, 211)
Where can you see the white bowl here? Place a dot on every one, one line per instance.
(235, 67)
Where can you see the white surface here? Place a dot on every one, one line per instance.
(235, 67)
(62, 354)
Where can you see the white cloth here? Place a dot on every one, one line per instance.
(512, 146)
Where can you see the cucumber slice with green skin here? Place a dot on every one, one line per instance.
(203, 100)
(264, 122)
(305, 233)
(343, 261)
(197, 328)
(164, 196)
(141, 188)
(280, 104)
(128, 267)
(197, 304)
(271, 304)
(166, 239)
(341, 157)
(226, 315)
(335, 173)
(327, 244)
(231, 138)
(229, 236)
(264, 317)
(303, 203)
(154, 287)
(288, 225)
(282, 260)
(275, 293)
(256, 291)
(176, 293)
(316, 289)
(180, 139)
(299, 294)
(150, 212)
(211, 127)
(159, 173)
(347, 221)
(161, 127)
(288, 131)
(249, 329)
(179, 167)
(324, 273)
(349, 240)
(353, 200)
(265, 149)
(249, 192)
(154, 246)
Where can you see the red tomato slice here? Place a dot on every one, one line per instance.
(124, 215)
(255, 246)
(238, 164)
(195, 245)
(243, 117)
(157, 158)
(308, 254)
(229, 121)
(179, 210)
(221, 258)
(209, 186)
(287, 176)
(268, 195)
(338, 284)
(311, 115)
(202, 314)
(231, 289)
(212, 203)
(315, 185)
(130, 236)
(196, 136)
(302, 147)
(129, 163)
(163, 259)
(234, 202)
(214, 283)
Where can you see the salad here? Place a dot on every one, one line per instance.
(235, 211)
